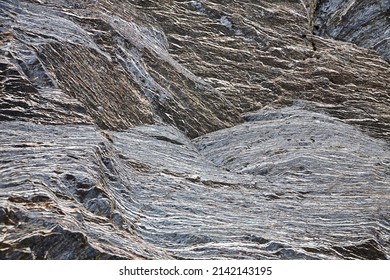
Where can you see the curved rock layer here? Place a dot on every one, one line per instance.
(193, 130)
(365, 23)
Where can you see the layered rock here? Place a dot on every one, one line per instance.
(194, 129)
(115, 66)
(365, 23)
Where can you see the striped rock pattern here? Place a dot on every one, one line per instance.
(194, 130)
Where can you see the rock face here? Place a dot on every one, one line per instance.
(365, 23)
(194, 129)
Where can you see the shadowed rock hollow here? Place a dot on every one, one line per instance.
(194, 130)
(365, 23)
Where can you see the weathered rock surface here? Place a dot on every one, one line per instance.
(365, 23)
(194, 129)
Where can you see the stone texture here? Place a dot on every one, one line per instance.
(365, 23)
(194, 130)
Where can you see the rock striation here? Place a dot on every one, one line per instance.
(365, 23)
(194, 129)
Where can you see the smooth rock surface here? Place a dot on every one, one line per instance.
(194, 130)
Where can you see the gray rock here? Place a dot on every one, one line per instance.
(194, 130)
(365, 23)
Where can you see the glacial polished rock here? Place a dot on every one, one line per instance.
(194, 130)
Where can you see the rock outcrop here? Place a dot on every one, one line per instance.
(194, 129)
(365, 23)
